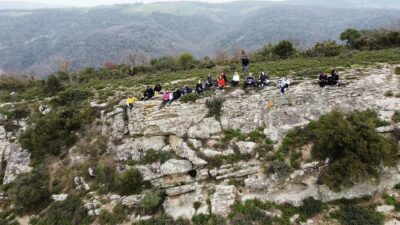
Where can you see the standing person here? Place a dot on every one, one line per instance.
(199, 88)
(285, 82)
(129, 102)
(236, 79)
(245, 63)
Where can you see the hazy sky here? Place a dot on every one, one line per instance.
(98, 2)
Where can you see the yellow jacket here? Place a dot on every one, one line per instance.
(131, 100)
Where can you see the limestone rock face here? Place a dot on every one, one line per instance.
(246, 147)
(182, 149)
(223, 199)
(137, 148)
(174, 166)
(18, 162)
(205, 129)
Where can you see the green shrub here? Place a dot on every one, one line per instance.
(311, 208)
(233, 134)
(355, 215)
(70, 97)
(29, 191)
(106, 176)
(129, 182)
(55, 132)
(397, 70)
(280, 168)
(163, 219)
(356, 150)
(19, 113)
(284, 49)
(257, 135)
(396, 116)
(236, 183)
(151, 201)
(8, 218)
(214, 107)
(209, 219)
(192, 97)
(350, 141)
(118, 216)
(53, 85)
(151, 156)
(248, 213)
(390, 200)
(325, 49)
(187, 61)
(70, 212)
(389, 93)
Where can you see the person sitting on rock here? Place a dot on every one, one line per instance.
(236, 79)
(166, 98)
(129, 102)
(176, 95)
(263, 80)
(221, 83)
(186, 90)
(148, 94)
(333, 79)
(285, 83)
(250, 81)
(323, 79)
(157, 88)
(199, 88)
(223, 76)
(210, 81)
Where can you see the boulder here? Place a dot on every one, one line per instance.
(17, 163)
(80, 184)
(180, 189)
(131, 200)
(136, 149)
(384, 208)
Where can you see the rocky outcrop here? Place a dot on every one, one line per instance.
(223, 199)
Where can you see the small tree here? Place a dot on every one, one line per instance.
(284, 49)
(129, 182)
(350, 35)
(53, 85)
(187, 61)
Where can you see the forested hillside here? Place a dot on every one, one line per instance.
(36, 41)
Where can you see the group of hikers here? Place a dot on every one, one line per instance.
(212, 84)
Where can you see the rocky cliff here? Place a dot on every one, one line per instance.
(193, 181)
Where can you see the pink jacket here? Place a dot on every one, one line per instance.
(166, 96)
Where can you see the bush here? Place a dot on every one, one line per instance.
(70, 212)
(118, 216)
(70, 97)
(280, 168)
(19, 113)
(311, 208)
(187, 61)
(106, 175)
(192, 97)
(396, 116)
(209, 219)
(29, 191)
(248, 213)
(350, 36)
(284, 49)
(390, 200)
(397, 70)
(214, 107)
(233, 134)
(8, 218)
(163, 220)
(53, 85)
(354, 215)
(150, 157)
(389, 93)
(55, 132)
(356, 150)
(129, 182)
(325, 49)
(151, 201)
(352, 144)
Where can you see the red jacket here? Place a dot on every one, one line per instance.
(221, 83)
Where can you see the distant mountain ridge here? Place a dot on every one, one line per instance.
(26, 5)
(31, 41)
